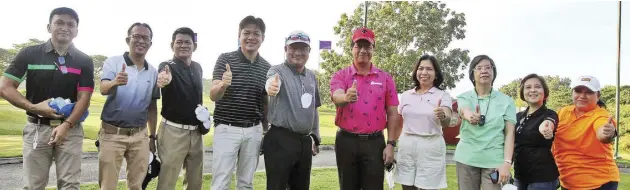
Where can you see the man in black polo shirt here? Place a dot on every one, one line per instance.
(238, 88)
(52, 69)
(180, 136)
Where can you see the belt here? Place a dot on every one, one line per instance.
(181, 126)
(243, 125)
(361, 136)
(289, 130)
(45, 121)
(111, 129)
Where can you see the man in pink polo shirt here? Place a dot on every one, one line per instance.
(366, 101)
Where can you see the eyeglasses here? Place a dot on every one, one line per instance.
(137, 37)
(62, 64)
(484, 68)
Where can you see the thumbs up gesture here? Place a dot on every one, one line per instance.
(121, 77)
(608, 130)
(274, 87)
(438, 111)
(351, 93)
(227, 76)
(472, 117)
(546, 129)
(164, 78)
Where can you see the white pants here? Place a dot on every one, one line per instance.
(234, 146)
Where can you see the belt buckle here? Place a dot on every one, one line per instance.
(363, 137)
(54, 123)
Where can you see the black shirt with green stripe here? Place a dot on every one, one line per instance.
(40, 66)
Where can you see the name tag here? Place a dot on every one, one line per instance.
(376, 83)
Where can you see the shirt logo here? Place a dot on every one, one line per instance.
(376, 83)
(586, 79)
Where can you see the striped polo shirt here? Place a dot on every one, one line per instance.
(242, 100)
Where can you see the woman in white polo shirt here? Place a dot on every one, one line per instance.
(425, 109)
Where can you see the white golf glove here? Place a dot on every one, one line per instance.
(203, 115)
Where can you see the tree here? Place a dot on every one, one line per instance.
(609, 92)
(98, 65)
(7, 55)
(404, 31)
(559, 92)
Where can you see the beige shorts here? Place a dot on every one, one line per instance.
(421, 161)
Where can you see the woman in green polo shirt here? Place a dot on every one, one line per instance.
(487, 130)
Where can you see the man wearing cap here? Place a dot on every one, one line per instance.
(52, 69)
(583, 146)
(180, 140)
(129, 82)
(366, 101)
(293, 138)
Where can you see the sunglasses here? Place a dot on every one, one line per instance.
(62, 64)
(299, 37)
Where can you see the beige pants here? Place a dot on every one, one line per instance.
(37, 160)
(113, 148)
(179, 148)
(474, 178)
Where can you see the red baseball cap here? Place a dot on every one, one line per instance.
(363, 34)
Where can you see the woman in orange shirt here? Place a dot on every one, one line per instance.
(583, 144)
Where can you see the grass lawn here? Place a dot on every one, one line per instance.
(321, 179)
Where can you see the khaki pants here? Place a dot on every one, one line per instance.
(113, 148)
(235, 148)
(179, 148)
(474, 178)
(37, 161)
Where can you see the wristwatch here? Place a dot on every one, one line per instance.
(393, 143)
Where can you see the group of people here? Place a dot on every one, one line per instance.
(272, 110)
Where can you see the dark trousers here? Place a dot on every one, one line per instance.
(360, 163)
(607, 186)
(288, 158)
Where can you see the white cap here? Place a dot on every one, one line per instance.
(587, 81)
(298, 36)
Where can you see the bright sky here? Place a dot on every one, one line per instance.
(549, 38)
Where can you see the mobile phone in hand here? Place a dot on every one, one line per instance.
(494, 176)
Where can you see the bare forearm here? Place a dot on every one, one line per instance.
(216, 92)
(153, 117)
(339, 98)
(447, 121)
(82, 104)
(265, 121)
(8, 91)
(108, 87)
(392, 126)
(508, 149)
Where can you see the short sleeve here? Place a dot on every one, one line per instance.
(219, 67)
(510, 112)
(401, 103)
(601, 119)
(337, 82)
(109, 69)
(18, 67)
(447, 101)
(86, 81)
(552, 116)
(391, 96)
(463, 102)
(156, 92)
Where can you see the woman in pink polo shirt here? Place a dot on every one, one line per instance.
(424, 110)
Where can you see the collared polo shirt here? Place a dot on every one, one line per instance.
(181, 97)
(482, 146)
(376, 91)
(533, 161)
(242, 101)
(286, 108)
(583, 161)
(418, 113)
(40, 66)
(128, 106)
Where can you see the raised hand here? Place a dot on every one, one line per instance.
(274, 87)
(546, 129)
(227, 76)
(351, 93)
(165, 77)
(121, 77)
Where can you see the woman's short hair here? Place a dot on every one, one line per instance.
(439, 77)
(542, 82)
